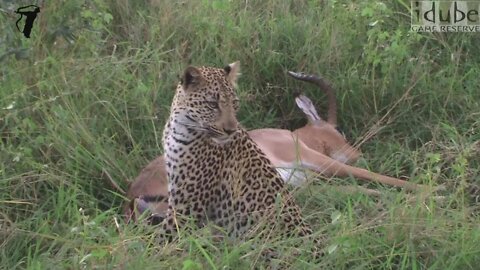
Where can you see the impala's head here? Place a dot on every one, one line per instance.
(149, 192)
(206, 101)
(323, 136)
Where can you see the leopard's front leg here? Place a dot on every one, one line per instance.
(176, 220)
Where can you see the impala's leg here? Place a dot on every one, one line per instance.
(325, 165)
(306, 105)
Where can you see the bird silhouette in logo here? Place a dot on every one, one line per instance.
(31, 16)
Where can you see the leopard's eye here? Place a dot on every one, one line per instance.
(212, 104)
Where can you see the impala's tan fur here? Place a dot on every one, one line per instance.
(149, 190)
(317, 146)
(288, 152)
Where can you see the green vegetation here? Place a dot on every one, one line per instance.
(88, 94)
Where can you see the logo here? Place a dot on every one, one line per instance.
(445, 16)
(31, 16)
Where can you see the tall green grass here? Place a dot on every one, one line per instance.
(83, 103)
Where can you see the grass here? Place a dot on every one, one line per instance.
(89, 93)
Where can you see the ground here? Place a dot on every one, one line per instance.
(84, 100)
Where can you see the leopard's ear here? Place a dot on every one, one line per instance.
(233, 71)
(191, 77)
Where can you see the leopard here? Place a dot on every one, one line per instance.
(216, 172)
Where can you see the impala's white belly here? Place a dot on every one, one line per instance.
(296, 177)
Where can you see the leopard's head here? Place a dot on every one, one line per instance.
(206, 101)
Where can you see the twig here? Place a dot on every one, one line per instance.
(358, 189)
(113, 183)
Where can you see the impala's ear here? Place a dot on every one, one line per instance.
(306, 105)
(233, 71)
(191, 77)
